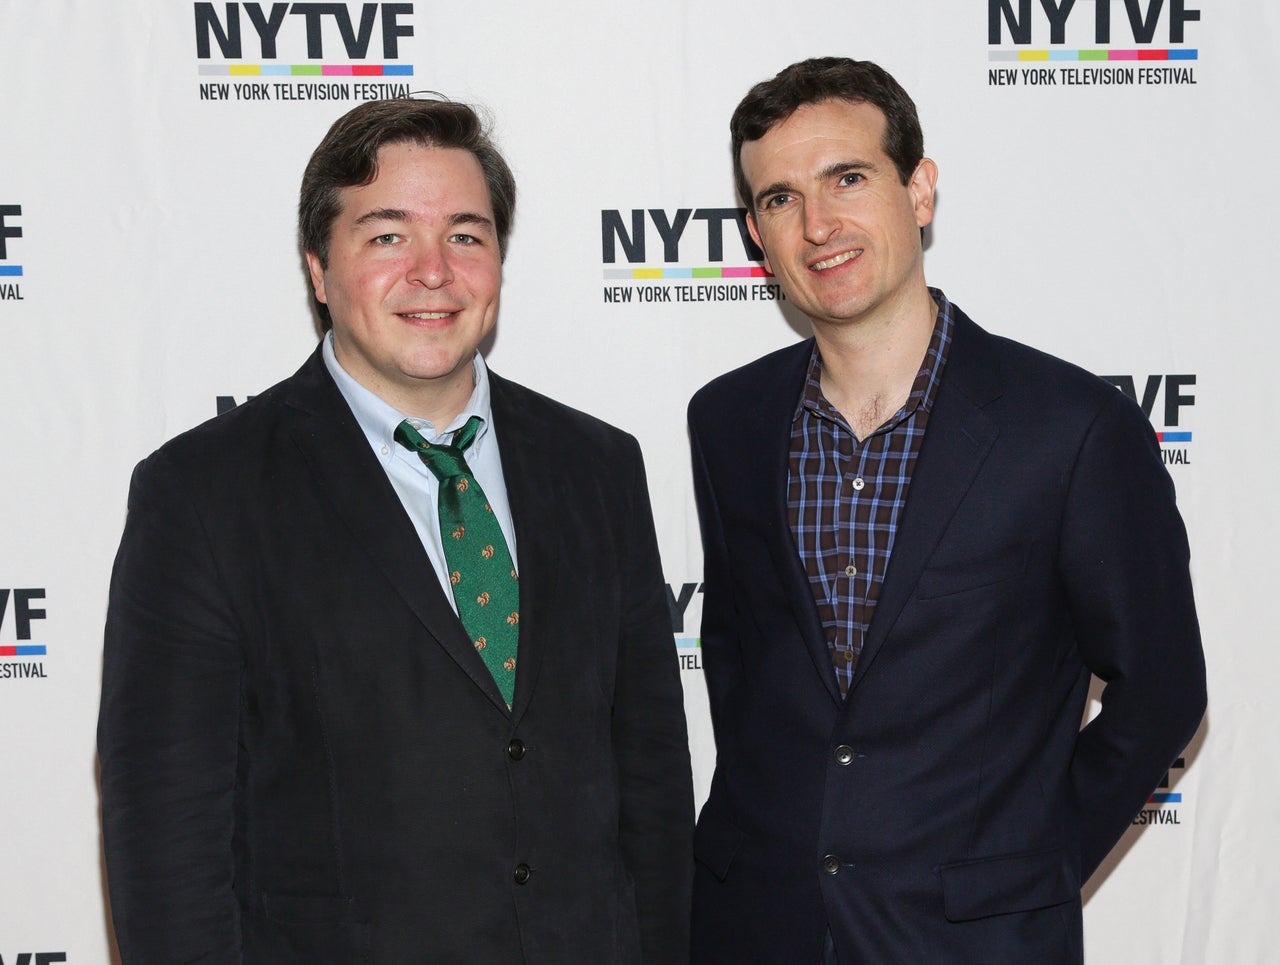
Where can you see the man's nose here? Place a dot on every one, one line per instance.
(429, 265)
(821, 221)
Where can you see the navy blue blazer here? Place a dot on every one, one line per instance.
(304, 759)
(950, 809)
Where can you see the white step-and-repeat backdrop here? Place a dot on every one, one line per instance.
(1106, 194)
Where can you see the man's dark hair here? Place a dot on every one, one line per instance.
(820, 79)
(348, 157)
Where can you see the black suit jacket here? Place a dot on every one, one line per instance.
(305, 760)
(950, 809)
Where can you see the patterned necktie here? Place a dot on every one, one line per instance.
(485, 586)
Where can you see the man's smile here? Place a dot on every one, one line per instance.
(834, 260)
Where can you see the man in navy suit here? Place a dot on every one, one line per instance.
(309, 754)
(921, 541)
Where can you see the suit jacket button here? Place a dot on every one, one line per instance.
(522, 874)
(515, 750)
(830, 865)
(844, 754)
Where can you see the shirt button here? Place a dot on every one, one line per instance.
(830, 865)
(515, 750)
(847, 656)
(522, 874)
(857, 484)
(844, 754)
(385, 450)
(850, 570)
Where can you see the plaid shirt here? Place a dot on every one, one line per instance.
(845, 497)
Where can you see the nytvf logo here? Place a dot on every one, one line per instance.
(1173, 439)
(1143, 20)
(630, 235)
(1162, 789)
(23, 614)
(36, 958)
(9, 228)
(1176, 396)
(678, 604)
(295, 18)
(225, 403)
(1156, 812)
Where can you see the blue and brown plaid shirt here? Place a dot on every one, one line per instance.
(845, 496)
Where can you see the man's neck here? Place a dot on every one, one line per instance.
(439, 407)
(868, 367)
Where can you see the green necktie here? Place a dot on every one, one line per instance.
(485, 586)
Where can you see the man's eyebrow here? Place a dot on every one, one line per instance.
(844, 167)
(384, 214)
(406, 217)
(471, 218)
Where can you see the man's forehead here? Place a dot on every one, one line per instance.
(832, 119)
(819, 134)
(409, 174)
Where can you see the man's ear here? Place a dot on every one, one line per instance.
(316, 270)
(923, 180)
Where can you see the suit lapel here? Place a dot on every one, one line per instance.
(955, 445)
(346, 471)
(534, 497)
(771, 427)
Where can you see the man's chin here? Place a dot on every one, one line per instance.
(439, 369)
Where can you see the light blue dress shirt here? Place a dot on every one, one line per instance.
(413, 482)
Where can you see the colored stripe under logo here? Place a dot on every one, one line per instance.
(647, 274)
(27, 651)
(1170, 797)
(11, 271)
(688, 643)
(1173, 436)
(306, 70)
(1091, 55)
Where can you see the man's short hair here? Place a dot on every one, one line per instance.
(820, 79)
(348, 157)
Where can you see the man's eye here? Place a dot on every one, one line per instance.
(851, 177)
(777, 201)
(462, 239)
(387, 239)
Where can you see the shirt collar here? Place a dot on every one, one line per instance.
(923, 390)
(378, 419)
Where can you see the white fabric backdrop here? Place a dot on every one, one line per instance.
(1123, 226)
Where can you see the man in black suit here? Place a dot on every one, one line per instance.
(920, 542)
(307, 753)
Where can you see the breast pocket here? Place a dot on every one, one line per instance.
(949, 578)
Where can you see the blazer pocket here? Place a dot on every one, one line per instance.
(949, 578)
(310, 908)
(981, 887)
(306, 930)
(715, 844)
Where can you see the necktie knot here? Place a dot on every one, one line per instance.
(445, 461)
